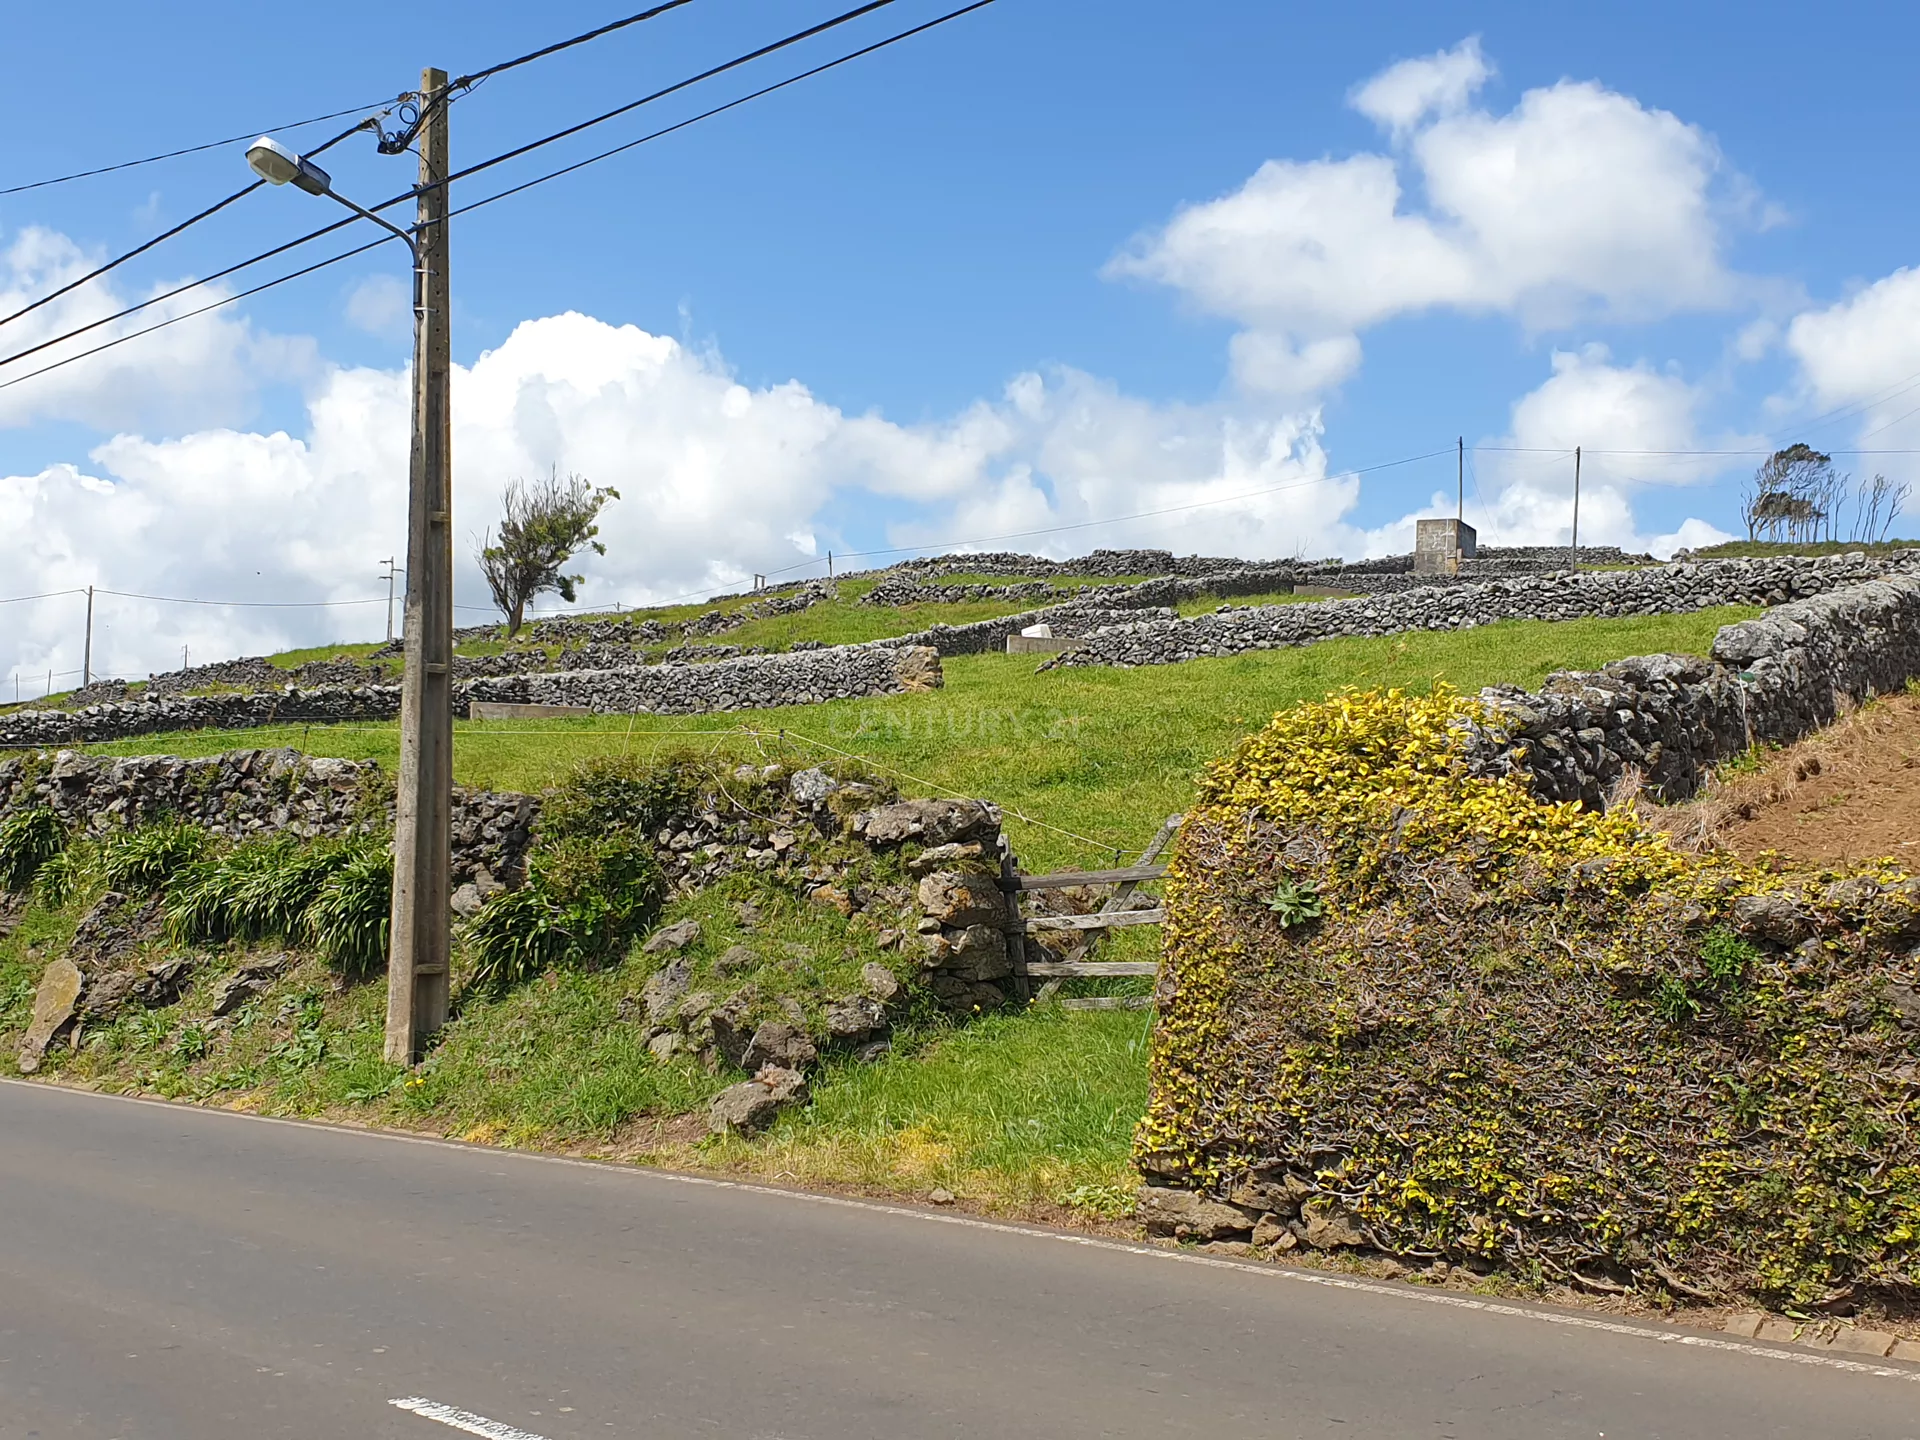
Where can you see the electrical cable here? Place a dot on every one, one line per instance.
(721, 69)
(190, 314)
(468, 81)
(245, 604)
(1590, 450)
(50, 595)
(191, 149)
(141, 249)
(488, 200)
(464, 83)
(1877, 429)
(721, 109)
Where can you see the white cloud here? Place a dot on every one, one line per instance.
(717, 481)
(199, 371)
(1578, 201)
(1524, 480)
(381, 305)
(1075, 449)
(1403, 95)
(1865, 350)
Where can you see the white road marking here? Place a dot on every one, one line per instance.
(462, 1419)
(1662, 1335)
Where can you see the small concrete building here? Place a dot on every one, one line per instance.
(1440, 545)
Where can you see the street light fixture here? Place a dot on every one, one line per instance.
(419, 944)
(277, 165)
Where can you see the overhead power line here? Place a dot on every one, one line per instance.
(730, 105)
(734, 64)
(50, 595)
(186, 224)
(245, 604)
(192, 149)
(469, 80)
(465, 82)
(487, 200)
(1591, 450)
(141, 249)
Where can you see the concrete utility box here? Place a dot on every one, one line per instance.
(1440, 545)
(1038, 644)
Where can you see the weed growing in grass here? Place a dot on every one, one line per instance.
(28, 839)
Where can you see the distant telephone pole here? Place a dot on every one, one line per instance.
(1574, 557)
(1460, 469)
(420, 941)
(86, 654)
(388, 562)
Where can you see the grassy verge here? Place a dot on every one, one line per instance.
(1021, 1113)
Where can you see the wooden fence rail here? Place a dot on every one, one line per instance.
(1116, 913)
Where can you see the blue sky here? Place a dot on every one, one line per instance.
(870, 263)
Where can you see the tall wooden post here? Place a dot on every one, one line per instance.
(418, 953)
(86, 654)
(1460, 474)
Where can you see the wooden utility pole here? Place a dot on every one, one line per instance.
(1460, 470)
(420, 943)
(86, 652)
(391, 574)
(1573, 559)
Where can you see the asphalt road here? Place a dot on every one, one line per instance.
(173, 1274)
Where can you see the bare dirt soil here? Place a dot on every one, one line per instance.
(1850, 793)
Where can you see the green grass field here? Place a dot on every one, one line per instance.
(1017, 1113)
(1088, 761)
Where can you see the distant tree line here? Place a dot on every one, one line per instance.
(1796, 495)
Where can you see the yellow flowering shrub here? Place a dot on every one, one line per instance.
(1483, 1026)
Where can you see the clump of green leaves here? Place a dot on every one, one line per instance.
(611, 793)
(28, 839)
(148, 858)
(583, 901)
(1726, 957)
(61, 877)
(1672, 1002)
(1295, 904)
(351, 917)
(335, 895)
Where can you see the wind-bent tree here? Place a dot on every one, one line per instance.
(543, 525)
(1794, 491)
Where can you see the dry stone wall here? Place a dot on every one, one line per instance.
(1665, 590)
(749, 682)
(1672, 718)
(247, 793)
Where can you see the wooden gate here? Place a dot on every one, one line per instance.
(1114, 914)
